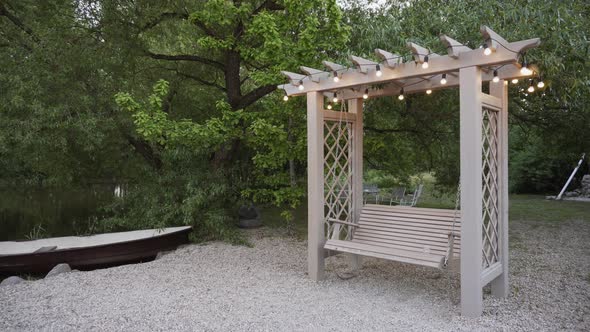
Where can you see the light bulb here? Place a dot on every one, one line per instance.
(301, 87)
(514, 80)
(496, 79)
(525, 69)
(541, 84)
(428, 91)
(486, 49)
(335, 99)
(330, 105)
(285, 98)
(366, 94)
(531, 87)
(401, 94)
(336, 78)
(425, 63)
(378, 71)
(443, 80)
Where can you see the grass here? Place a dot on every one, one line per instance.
(522, 208)
(537, 208)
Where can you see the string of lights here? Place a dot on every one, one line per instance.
(524, 70)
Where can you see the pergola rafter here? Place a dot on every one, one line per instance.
(337, 219)
(504, 54)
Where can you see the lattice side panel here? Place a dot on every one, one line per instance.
(490, 183)
(338, 193)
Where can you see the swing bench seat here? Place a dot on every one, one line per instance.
(404, 234)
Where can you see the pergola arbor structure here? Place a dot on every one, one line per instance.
(335, 151)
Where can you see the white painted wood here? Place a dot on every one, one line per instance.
(438, 65)
(334, 66)
(363, 65)
(454, 48)
(500, 285)
(397, 255)
(355, 106)
(491, 273)
(315, 185)
(391, 59)
(392, 88)
(69, 242)
(314, 74)
(490, 101)
(337, 116)
(471, 191)
(294, 78)
(418, 52)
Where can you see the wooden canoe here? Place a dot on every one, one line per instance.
(89, 252)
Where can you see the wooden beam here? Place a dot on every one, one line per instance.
(314, 74)
(391, 59)
(437, 65)
(362, 64)
(471, 191)
(500, 285)
(419, 52)
(315, 186)
(392, 88)
(454, 48)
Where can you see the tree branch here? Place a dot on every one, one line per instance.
(16, 21)
(163, 17)
(185, 57)
(202, 81)
(252, 96)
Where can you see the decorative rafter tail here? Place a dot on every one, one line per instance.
(294, 77)
(391, 59)
(454, 48)
(314, 74)
(491, 38)
(362, 64)
(334, 66)
(419, 52)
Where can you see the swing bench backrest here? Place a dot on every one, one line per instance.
(405, 234)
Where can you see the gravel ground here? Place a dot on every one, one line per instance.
(217, 286)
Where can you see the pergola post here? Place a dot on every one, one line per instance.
(355, 106)
(471, 190)
(315, 185)
(500, 286)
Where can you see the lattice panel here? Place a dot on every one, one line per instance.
(490, 182)
(338, 191)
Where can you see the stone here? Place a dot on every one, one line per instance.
(59, 269)
(11, 281)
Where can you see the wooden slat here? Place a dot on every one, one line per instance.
(408, 246)
(408, 209)
(386, 253)
(411, 246)
(418, 219)
(409, 226)
(400, 239)
(405, 232)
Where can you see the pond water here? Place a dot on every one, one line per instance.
(27, 213)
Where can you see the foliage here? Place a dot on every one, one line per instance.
(549, 129)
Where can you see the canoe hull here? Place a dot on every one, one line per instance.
(94, 257)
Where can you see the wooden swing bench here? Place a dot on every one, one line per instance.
(421, 236)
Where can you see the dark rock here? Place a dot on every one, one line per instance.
(59, 269)
(250, 223)
(248, 212)
(11, 281)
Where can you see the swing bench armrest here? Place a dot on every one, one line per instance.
(342, 222)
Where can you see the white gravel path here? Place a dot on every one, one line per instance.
(231, 288)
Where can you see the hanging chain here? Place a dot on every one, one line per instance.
(457, 202)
